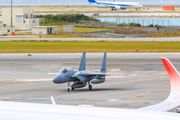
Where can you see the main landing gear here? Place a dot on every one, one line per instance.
(90, 86)
(78, 85)
(113, 9)
(72, 88)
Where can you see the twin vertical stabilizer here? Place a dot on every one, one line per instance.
(103, 67)
(83, 63)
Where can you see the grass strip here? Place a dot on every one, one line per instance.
(81, 29)
(174, 33)
(87, 46)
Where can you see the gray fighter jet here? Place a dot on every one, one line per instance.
(82, 77)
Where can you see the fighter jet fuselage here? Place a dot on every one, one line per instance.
(82, 77)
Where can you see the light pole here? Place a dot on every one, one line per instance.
(11, 20)
(11, 14)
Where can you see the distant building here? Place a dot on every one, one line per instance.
(23, 18)
(1, 21)
(68, 28)
(45, 30)
(6, 30)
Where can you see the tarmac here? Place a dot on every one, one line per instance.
(23, 79)
(8, 38)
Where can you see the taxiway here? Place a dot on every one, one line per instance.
(23, 79)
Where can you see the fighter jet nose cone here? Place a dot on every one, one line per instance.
(57, 79)
(54, 81)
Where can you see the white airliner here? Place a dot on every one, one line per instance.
(116, 5)
(32, 111)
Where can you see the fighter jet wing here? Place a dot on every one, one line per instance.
(103, 74)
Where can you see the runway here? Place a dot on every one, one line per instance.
(24, 79)
(9, 38)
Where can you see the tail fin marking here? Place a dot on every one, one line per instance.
(173, 75)
(92, 1)
(173, 101)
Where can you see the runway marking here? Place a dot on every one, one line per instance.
(49, 65)
(12, 96)
(34, 79)
(23, 95)
(40, 92)
(12, 85)
(163, 73)
(136, 96)
(129, 81)
(115, 76)
(161, 81)
(110, 69)
(114, 70)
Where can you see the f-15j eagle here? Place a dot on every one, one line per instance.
(35, 111)
(82, 77)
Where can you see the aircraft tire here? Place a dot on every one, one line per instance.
(72, 88)
(68, 90)
(90, 87)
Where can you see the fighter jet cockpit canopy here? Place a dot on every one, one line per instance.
(64, 70)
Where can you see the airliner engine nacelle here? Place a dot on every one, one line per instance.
(79, 85)
(118, 7)
(102, 6)
(97, 81)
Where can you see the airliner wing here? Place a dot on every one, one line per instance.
(162, 107)
(173, 101)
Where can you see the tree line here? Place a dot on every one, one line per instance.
(65, 18)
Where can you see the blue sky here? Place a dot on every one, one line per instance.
(84, 2)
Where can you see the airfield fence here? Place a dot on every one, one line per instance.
(112, 24)
(145, 22)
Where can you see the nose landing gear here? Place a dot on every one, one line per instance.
(90, 87)
(68, 84)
